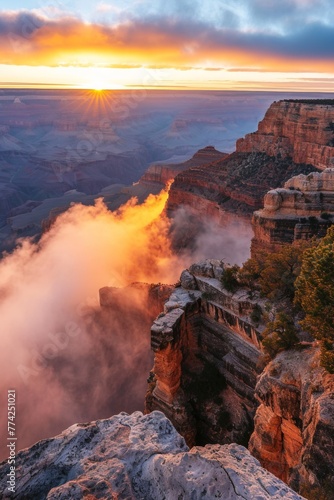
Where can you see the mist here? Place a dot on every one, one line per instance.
(69, 359)
(197, 237)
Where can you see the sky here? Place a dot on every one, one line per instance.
(212, 44)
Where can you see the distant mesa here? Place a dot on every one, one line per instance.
(163, 173)
(18, 102)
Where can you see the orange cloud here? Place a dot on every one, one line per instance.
(33, 40)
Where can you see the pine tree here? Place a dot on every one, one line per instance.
(315, 294)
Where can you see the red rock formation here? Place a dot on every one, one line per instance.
(208, 379)
(302, 209)
(235, 184)
(294, 425)
(207, 358)
(294, 137)
(300, 130)
(163, 173)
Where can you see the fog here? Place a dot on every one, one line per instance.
(67, 359)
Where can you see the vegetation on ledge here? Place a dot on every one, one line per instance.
(315, 294)
(299, 283)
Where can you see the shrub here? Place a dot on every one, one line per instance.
(229, 278)
(279, 335)
(256, 314)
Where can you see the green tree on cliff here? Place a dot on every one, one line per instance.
(315, 294)
(279, 335)
(274, 274)
(280, 271)
(229, 278)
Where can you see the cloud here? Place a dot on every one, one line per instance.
(162, 41)
(286, 14)
(23, 24)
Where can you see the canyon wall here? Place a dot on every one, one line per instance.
(295, 137)
(302, 209)
(294, 424)
(209, 375)
(207, 358)
(236, 184)
(211, 380)
(302, 130)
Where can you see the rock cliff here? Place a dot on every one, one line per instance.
(137, 457)
(235, 184)
(294, 424)
(295, 137)
(210, 379)
(207, 358)
(302, 209)
(302, 130)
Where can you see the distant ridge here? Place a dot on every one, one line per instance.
(162, 173)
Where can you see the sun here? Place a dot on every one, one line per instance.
(100, 83)
(98, 87)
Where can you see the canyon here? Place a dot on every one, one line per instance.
(212, 388)
(73, 146)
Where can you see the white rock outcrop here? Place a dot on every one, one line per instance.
(137, 457)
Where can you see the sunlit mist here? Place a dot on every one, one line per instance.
(46, 289)
(61, 352)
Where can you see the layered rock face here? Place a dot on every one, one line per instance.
(236, 184)
(207, 358)
(294, 424)
(163, 173)
(295, 137)
(300, 130)
(302, 209)
(137, 457)
(210, 379)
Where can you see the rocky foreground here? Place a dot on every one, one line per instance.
(137, 457)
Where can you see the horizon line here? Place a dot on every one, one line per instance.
(66, 86)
